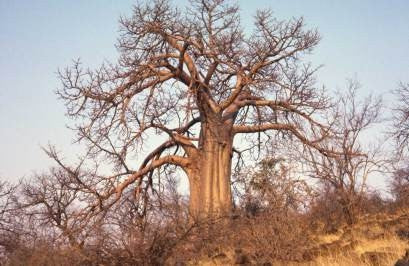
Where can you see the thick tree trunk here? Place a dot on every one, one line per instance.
(210, 192)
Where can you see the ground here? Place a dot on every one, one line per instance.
(381, 239)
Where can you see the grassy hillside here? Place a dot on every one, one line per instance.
(381, 239)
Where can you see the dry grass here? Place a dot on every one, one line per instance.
(367, 252)
(329, 238)
(345, 259)
(390, 245)
(373, 241)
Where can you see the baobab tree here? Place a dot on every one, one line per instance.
(195, 80)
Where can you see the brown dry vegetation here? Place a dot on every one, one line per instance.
(276, 169)
(376, 239)
(272, 233)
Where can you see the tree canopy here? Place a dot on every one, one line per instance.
(198, 78)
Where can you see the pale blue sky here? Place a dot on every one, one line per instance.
(367, 40)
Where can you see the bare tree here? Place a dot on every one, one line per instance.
(6, 203)
(400, 180)
(400, 186)
(46, 219)
(346, 175)
(49, 200)
(194, 81)
(401, 118)
(272, 186)
(9, 227)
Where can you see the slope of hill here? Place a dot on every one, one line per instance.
(381, 239)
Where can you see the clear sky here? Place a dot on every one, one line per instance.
(367, 40)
